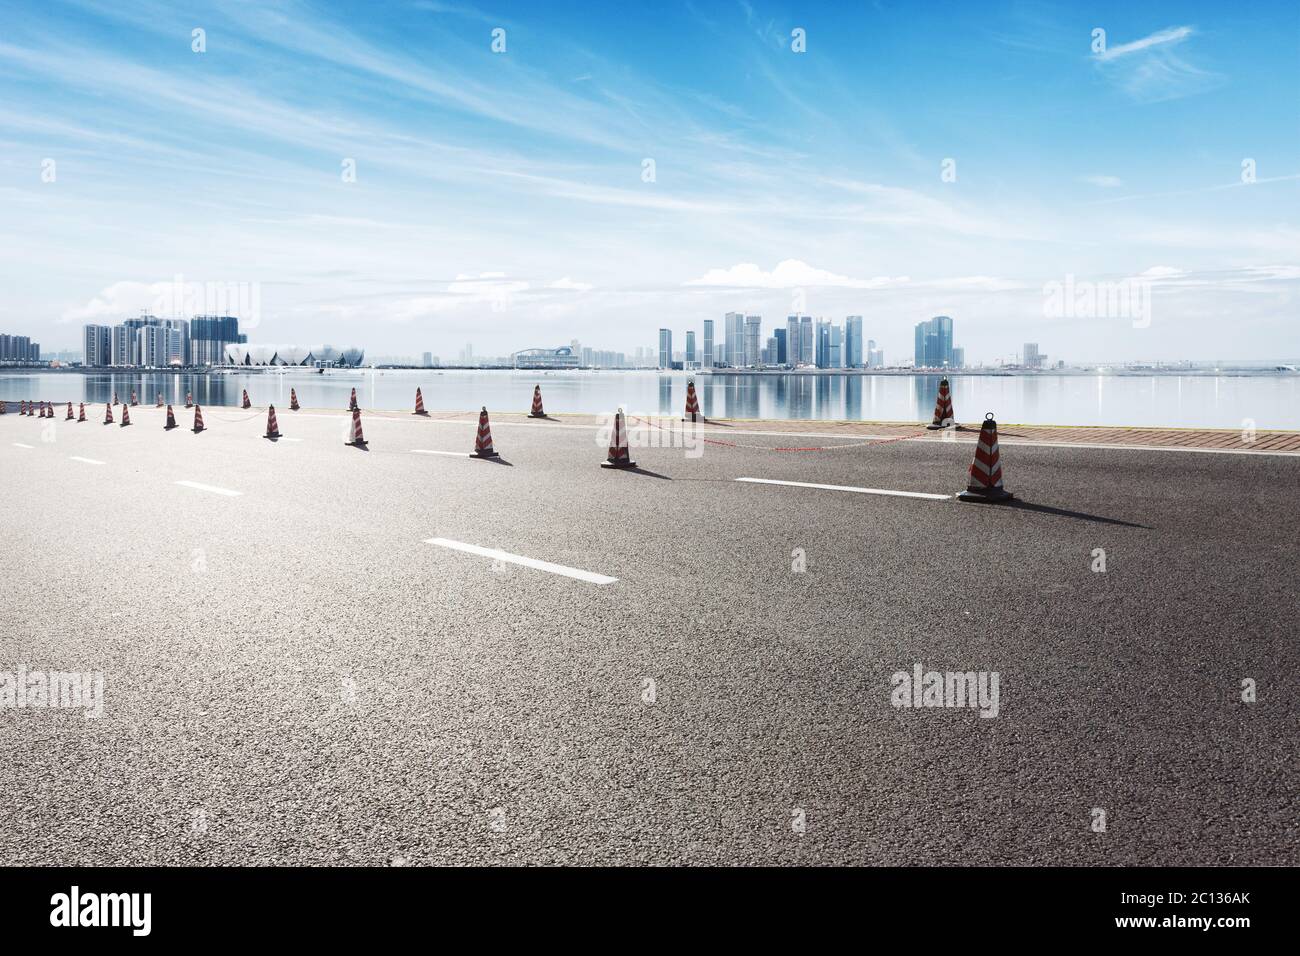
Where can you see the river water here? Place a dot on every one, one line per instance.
(1208, 400)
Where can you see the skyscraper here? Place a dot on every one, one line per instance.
(791, 340)
(1033, 358)
(690, 348)
(733, 343)
(780, 348)
(853, 342)
(753, 331)
(807, 347)
(822, 350)
(706, 360)
(665, 348)
(934, 343)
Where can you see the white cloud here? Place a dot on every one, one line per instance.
(789, 274)
(1159, 38)
(1106, 182)
(571, 285)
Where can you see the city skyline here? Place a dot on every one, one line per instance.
(599, 177)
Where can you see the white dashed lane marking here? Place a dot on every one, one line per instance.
(588, 576)
(212, 488)
(861, 491)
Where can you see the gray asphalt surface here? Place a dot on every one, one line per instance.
(293, 675)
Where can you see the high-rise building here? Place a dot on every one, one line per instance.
(958, 357)
(97, 346)
(706, 359)
(733, 341)
(427, 360)
(753, 332)
(807, 346)
(835, 356)
(780, 345)
(665, 348)
(853, 342)
(876, 358)
(1033, 358)
(791, 340)
(822, 349)
(934, 343)
(209, 336)
(690, 348)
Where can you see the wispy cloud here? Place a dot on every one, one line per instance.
(1159, 38)
(1149, 70)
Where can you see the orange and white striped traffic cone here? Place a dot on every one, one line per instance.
(45, 410)
(293, 400)
(419, 403)
(356, 439)
(133, 401)
(189, 400)
(352, 402)
(198, 419)
(159, 403)
(81, 412)
(126, 416)
(619, 455)
(70, 416)
(692, 403)
(483, 441)
(171, 420)
(537, 403)
(108, 414)
(985, 483)
(272, 426)
(942, 408)
(247, 403)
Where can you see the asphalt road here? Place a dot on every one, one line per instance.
(294, 675)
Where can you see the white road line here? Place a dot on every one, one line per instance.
(19, 444)
(451, 454)
(861, 491)
(88, 461)
(212, 488)
(567, 572)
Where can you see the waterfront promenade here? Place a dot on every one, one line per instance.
(317, 654)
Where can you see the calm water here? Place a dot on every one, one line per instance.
(1271, 401)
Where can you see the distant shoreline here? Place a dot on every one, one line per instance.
(1092, 372)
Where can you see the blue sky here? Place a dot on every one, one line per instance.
(501, 198)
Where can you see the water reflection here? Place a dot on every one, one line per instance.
(1271, 401)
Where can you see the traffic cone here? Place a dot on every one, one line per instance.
(198, 419)
(247, 403)
(2, 408)
(352, 402)
(31, 409)
(293, 399)
(189, 400)
(81, 412)
(45, 408)
(272, 426)
(942, 408)
(986, 470)
(483, 441)
(692, 403)
(22, 407)
(537, 403)
(419, 403)
(126, 416)
(619, 456)
(171, 420)
(133, 401)
(108, 414)
(160, 401)
(69, 418)
(357, 440)
(115, 398)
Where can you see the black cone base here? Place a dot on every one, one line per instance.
(991, 497)
(618, 463)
